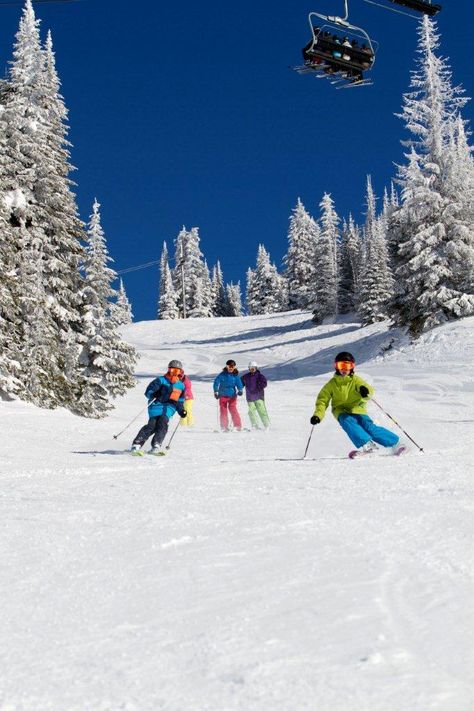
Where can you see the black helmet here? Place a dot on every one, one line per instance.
(231, 362)
(175, 364)
(345, 356)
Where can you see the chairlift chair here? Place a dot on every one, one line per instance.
(325, 55)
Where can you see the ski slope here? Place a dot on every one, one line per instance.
(220, 578)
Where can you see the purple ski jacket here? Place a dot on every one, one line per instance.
(254, 383)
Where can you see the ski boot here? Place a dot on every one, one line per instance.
(367, 448)
(157, 452)
(136, 451)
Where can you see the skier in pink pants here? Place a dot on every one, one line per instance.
(227, 386)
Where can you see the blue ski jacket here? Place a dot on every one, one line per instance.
(168, 396)
(228, 384)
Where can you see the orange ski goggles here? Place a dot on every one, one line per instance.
(174, 374)
(344, 366)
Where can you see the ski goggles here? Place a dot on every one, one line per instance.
(344, 366)
(175, 371)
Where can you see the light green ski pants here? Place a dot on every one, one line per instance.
(258, 406)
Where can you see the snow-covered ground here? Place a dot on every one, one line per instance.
(220, 578)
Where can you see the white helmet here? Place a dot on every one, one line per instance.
(253, 364)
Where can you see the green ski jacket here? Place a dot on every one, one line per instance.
(343, 391)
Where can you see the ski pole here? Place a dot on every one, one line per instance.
(309, 440)
(171, 438)
(132, 421)
(399, 426)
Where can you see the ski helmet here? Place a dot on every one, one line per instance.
(345, 356)
(231, 362)
(175, 364)
(253, 364)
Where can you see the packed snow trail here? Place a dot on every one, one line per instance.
(222, 578)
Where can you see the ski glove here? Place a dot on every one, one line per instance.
(363, 391)
(183, 413)
(315, 420)
(216, 395)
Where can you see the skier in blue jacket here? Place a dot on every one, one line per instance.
(165, 397)
(227, 386)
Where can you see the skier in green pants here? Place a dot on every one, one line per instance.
(255, 383)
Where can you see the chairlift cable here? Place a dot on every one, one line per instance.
(140, 266)
(391, 9)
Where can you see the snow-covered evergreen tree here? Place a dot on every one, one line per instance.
(121, 310)
(34, 169)
(346, 291)
(107, 361)
(266, 289)
(197, 280)
(326, 275)
(390, 216)
(234, 299)
(168, 298)
(426, 291)
(459, 215)
(300, 258)
(375, 281)
(9, 307)
(220, 296)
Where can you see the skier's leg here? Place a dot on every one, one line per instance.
(356, 433)
(145, 432)
(236, 421)
(262, 411)
(188, 406)
(161, 428)
(253, 414)
(224, 417)
(189, 419)
(379, 434)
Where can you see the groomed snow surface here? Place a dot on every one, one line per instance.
(221, 578)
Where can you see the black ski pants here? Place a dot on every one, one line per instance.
(156, 426)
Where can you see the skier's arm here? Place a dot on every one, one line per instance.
(322, 401)
(239, 385)
(153, 389)
(216, 384)
(262, 381)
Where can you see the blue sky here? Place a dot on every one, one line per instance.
(187, 114)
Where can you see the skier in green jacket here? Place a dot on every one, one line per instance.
(348, 394)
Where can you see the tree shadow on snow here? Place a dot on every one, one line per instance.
(364, 349)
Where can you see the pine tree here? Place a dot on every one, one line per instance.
(266, 292)
(34, 169)
(251, 292)
(459, 217)
(121, 310)
(426, 292)
(234, 299)
(220, 296)
(326, 277)
(107, 361)
(299, 259)
(9, 307)
(346, 292)
(198, 287)
(375, 283)
(168, 298)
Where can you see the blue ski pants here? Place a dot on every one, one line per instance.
(362, 429)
